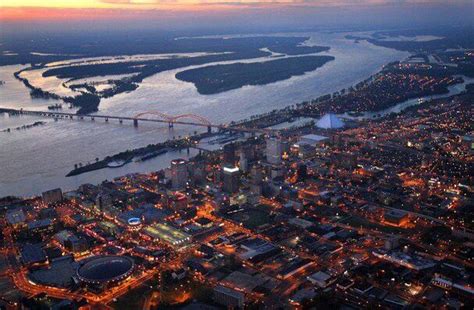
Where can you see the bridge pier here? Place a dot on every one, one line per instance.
(164, 118)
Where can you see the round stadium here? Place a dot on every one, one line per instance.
(104, 269)
(134, 221)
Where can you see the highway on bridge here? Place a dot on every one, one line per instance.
(159, 117)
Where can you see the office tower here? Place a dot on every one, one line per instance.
(273, 150)
(229, 154)
(231, 179)
(179, 173)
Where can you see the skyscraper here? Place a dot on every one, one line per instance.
(229, 154)
(273, 150)
(52, 196)
(302, 172)
(179, 173)
(231, 179)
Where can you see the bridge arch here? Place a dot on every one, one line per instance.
(161, 115)
(194, 117)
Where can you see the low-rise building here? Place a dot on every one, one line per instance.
(229, 297)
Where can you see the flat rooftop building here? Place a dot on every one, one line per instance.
(15, 217)
(168, 234)
(229, 297)
(396, 218)
(32, 253)
(312, 139)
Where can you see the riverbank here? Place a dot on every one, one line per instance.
(23, 127)
(342, 99)
(44, 156)
(139, 154)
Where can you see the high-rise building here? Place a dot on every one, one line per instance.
(103, 201)
(229, 154)
(273, 150)
(243, 164)
(256, 178)
(52, 196)
(179, 173)
(231, 179)
(302, 172)
(246, 156)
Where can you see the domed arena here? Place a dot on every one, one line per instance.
(105, 269)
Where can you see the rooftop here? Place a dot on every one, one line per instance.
(330, 121)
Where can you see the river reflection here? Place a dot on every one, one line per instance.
(38, 158)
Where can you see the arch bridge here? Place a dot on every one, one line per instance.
(192, 119)
(157, 116)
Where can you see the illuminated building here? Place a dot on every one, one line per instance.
(446, 283)
(330, 121)
(396, 218)
(231, 179)
(134, 223)
(229, 154)
(246, 155)
(256, 178)
(52, 196)
(229, 297)
(321, 279)
(179, 173)
(312, 139)
(71, 242)
(168, 234)
(402, 259)
(16, 218)
(105, 269)
(294, 267)
(40, 226)
(103, 201)
(178, 201)
(204, 222)
(274, 150)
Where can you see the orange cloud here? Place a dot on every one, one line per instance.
(158, 4)
(21, 10)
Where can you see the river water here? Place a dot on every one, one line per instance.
(398, 108)
(37, 159)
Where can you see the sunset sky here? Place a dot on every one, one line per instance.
(34, 10)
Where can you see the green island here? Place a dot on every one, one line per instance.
(220, 78)
(88, 96)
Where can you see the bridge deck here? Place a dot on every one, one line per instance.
(171, 120)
